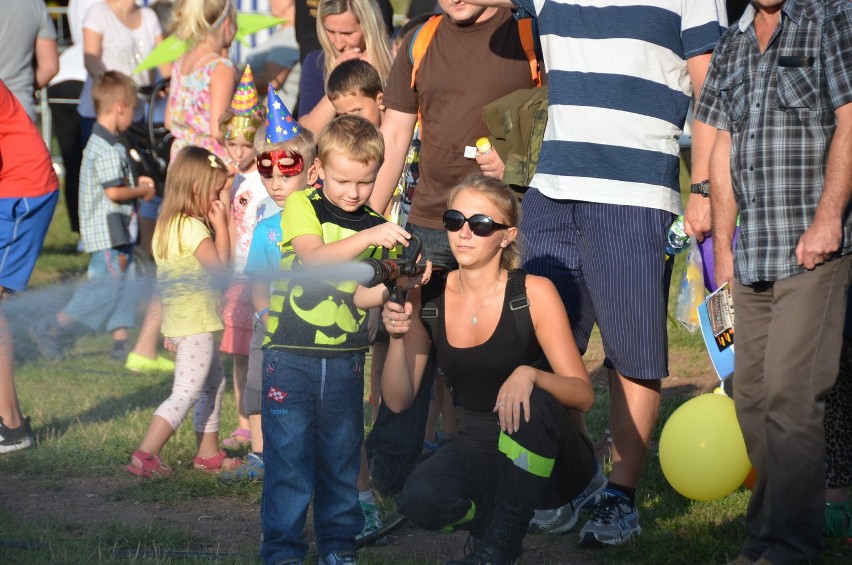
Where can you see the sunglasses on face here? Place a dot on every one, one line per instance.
(480, 224)
(289, 163)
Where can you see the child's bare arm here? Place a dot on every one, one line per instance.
(311, 248)
(144, 190)
(366, 298)
(214, 254)
(260, 296)
(232, 229)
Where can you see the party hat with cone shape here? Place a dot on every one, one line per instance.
(280, 124)
(246, 100)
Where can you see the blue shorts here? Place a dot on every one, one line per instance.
(23, 225)
(608, 263)
(149, 209)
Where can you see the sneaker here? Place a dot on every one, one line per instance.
(15, 439)
(119, 351)
(140, 364)
(563, 519)
(45, 334)
(251, 470)
(615, 520)
(339, 558)
(372, 521)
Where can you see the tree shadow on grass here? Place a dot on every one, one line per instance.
(149, 396)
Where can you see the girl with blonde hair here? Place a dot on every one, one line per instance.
(191, 247)
(203, 79)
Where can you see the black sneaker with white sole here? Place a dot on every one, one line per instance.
(16, 439)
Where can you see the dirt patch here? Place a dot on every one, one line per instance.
(226, 527)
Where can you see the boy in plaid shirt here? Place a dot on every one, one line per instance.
(108, 227)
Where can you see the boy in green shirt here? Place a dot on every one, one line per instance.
(313, 362)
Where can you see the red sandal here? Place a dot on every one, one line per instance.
(148, 465)
(216, 463)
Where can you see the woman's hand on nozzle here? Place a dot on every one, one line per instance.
(397, 318)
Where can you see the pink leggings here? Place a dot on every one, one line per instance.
(199, 380)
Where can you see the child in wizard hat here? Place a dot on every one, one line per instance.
(285, 161)
(239, 126)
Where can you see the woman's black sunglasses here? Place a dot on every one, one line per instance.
(480, 224)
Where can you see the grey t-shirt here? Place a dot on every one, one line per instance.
(23, 22)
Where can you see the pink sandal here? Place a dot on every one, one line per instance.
(149, 465)
(238, 437)
(216, 463)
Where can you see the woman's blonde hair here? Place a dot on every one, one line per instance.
(192, 20)
(506, 202)
(373, 27)
(193, 176)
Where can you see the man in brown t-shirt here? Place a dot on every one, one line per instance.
(474, 58)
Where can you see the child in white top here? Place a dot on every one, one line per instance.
(287, 166)
(239, 126)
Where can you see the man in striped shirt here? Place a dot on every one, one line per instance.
(779, 90)
(621, 74)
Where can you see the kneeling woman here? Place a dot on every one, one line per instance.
(517, 448)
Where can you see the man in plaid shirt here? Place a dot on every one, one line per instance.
(779, 90)
(107, 225)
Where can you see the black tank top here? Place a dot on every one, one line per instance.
(475, 374)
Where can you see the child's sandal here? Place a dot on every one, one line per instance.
(146, 465)
(238, 437)
(216, 463)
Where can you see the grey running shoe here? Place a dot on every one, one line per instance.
(615, 520)
(15, 439)
(563, 519)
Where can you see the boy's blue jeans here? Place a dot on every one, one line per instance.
(107, 299)
(313, 424)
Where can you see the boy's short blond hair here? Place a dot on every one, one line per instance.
(303, 144)
(353, 77)
(355, 138)
(111, 88)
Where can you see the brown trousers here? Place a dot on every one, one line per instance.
(788, 337)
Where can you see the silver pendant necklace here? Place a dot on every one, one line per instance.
(473, 312)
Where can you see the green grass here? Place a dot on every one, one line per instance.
(89, 414)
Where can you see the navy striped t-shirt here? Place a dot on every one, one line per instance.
(619, 95)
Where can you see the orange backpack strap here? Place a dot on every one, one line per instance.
(420, 43)
(527, 33)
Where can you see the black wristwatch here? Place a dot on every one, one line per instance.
(702, 188)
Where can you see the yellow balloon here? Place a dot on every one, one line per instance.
(702, 452)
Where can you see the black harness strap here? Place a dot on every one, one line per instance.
(519, 304)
